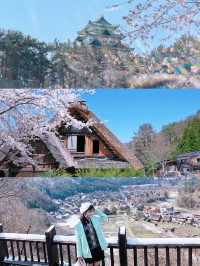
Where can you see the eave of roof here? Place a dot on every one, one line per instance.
(188, 154)
(106, 135)
(98, 26)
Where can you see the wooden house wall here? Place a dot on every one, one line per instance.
(42, 156)
(103, 150)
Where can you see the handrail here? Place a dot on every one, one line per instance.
(54, 250)
(112, 241)
(58, 239)
(22, 237)
(164, 242)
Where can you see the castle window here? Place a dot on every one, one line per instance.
(106, 32)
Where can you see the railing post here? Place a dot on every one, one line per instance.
(122, 241)
(2, 247)
(52, 250)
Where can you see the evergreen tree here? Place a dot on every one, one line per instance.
(23, 59)
(190, 141)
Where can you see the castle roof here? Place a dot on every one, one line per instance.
(98, 27)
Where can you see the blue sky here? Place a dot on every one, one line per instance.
(48, 19)
(124, 110)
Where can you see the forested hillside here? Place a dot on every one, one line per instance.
(152, 147)
(28, 62)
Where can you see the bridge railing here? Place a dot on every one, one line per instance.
(51, 249)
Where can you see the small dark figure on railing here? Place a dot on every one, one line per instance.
(90, 239)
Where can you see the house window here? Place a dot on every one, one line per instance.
(96, 146)
(198, 160)
(80, 144)
(72, 143)
(76, 143)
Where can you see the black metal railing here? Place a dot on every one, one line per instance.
(52, 249)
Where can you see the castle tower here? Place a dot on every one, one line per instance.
(99, 32)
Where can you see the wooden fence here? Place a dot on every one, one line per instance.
(52, 249)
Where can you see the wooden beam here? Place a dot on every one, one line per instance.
(52, 250)
(2, 247)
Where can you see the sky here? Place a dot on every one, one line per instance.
(124, 110)
(48, 20)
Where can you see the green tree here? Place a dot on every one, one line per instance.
(190, 140)
(23, 59)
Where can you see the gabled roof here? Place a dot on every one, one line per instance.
(4, 151)
(64, 158)
(53, 144)
(188, 155)
(57, 149)
(105, 134)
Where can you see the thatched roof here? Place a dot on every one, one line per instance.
(57, 149)
(7, 154)
(188, 155)
(4, 151)
(64, 158)
(53, 144)
(81, 110)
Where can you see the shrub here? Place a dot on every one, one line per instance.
(93, 172)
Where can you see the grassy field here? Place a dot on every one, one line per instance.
(116, 172)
